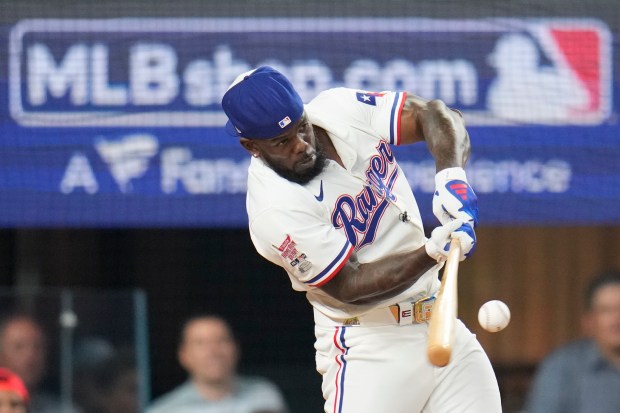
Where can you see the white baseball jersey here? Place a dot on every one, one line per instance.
(311, 230)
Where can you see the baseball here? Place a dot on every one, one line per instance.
(494, 316)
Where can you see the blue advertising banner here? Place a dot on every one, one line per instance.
(117, 123)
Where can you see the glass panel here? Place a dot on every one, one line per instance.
(78, 350)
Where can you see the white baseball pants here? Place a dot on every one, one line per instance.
(384, 369)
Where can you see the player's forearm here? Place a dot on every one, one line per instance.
(378, 280)
(444, 131)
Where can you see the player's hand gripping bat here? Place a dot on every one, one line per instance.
(443, 320)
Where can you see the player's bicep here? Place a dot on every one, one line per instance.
(303, 244)
(340, 285)
(378, 113)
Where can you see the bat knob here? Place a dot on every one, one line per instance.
(439, 356)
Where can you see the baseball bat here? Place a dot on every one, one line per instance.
(443, 319)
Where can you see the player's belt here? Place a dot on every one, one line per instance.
(407, 312)
(420, 311)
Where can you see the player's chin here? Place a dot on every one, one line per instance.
(305, 165)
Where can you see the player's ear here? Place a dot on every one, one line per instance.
(249, 145)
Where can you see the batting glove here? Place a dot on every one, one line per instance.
(454, 198)
(438, 245)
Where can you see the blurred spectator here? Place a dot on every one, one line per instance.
(584, 376)
(13, 393)
(90, 353)
(118, 383)
(108, 385)
(209, 354)
(23, 350)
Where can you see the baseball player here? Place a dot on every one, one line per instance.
(328, 202)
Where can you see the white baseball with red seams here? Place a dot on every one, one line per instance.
(494, 316)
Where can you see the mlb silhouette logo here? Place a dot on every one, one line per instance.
(552, 73)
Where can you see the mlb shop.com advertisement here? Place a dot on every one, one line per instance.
(124, 120)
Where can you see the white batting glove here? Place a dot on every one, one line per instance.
(438, 245)
(454, 198)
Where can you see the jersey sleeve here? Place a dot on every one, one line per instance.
(311, 250)
(376, 111)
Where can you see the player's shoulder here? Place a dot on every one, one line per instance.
(334, 93)
(335, 106)
(265, 183)
(269, 191)
(333, 99)
(353, 105)
(337, 95)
